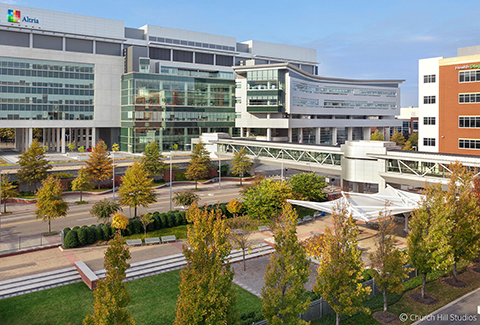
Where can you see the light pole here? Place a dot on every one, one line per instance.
(0, 207)
(282, 167)
(171, 182)
(114, 148)
(219, 172)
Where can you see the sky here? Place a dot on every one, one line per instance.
(353, 39)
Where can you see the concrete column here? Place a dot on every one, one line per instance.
(94, 137)
(300, 135)
(63, 140)
(30, 40)
(94, 47)
(349, 134)
(241, 132)
(30, 136)
(248, 132)
(269, 134)
(64, 44)
(58, 139)
(318, 135)
(87, 138)
(366, 133)
(387, 134)
(334, 136)
(44, 136)
(290, 135)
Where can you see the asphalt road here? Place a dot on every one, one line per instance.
(23, 223)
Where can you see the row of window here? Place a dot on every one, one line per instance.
(462, 98)
(469, 76)
(190, 43)
(469, 122)
(468, 144)
(303, 87)
(429, 120)
(46, 108)
(44, 65)
(25, 83)
(430, 78)
(46, 74)
(429, 142)
(332, 104)
(45, 91)
(429, 99)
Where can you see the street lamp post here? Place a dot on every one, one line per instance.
(282, 167)
(171, 182)
(113, 172)
(219, 172)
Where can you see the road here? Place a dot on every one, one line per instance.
(22, 221)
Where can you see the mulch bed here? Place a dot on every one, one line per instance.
(428, 300)
(453, 283)
(386, 317)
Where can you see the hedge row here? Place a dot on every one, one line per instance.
(87, 235)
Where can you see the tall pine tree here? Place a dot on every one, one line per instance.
(152, 160)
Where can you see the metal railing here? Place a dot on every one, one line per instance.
(11, 244)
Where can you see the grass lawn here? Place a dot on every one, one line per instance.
(153, 302)
(402, 303)
(180, 232)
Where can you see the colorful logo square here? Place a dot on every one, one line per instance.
(14, 16)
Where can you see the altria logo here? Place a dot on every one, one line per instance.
(14, 16)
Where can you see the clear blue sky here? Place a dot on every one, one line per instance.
(353, 39)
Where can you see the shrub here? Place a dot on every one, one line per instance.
(179, 176)
(90, 235)
(184, 219)
(127, 232)
(163, 220)
(151, 226)
(178, 219)
(98, 232)
(170, 220)
(156, 221)
(76, 228)
(62, 175)
(65, 231)
(71, 240)
(82, 236)
(106, 232)
(137, 226)
(130, 226)
(367, 275)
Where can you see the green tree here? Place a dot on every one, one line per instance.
(241, 163)
(241, 228)
(265, 200)
(82, 182)
(341, 267)
(136, 189)
(398, 138)
(428, 240)
(234, 207)
(377, 136)
(33, 164)
(145, 220)
(413, 138)
(152, 160)
(207, 295)
(185, 198)
(104, 209)
(309, 186)
(99, 165)
(408, 146)
(465, 235)
(8, 191)
(112, 296)
(71, 146)
(7, 134)
(284, 295)
(81, 149)
(387, 261)
(200, 163)
(50, 204)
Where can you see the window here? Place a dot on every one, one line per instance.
(429, 142)
(429, 78)
(469, 76)
(468, 144)
(469, 98)
(469, 121)
(429, 99)
(429, 120)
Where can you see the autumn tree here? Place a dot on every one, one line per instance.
(234, 207)
(284, 295)
(82, 182)
(387, 261)
(145, 220)
(8, 191)
(408, 146)
(308, 186)
(341, 267)
(398, 138)
(50, 204)
(136, 189)
(71, 146)
(99, 165)
(241, 228)
(207, 295)
(7, 134)
(185, 198)
(200, 163)
(265, 200)
(465, 234)
(428, 240)
(33, 164)
(104, 209)
(120, 221)
(377, 136)
(241, 164)
(111, 295)
(413, 138)
(152, 160)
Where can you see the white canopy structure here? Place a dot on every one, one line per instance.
(366, 207)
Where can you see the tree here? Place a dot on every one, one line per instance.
(8, 190)
(465, 235)
(207, 295)
(185, 198)
(265, 200)
(112, 296)
(145, 220)
(398, 138)
(428, 240)
(234, 207)
(33, 164)
(119, 221)
(377, 136)
(408, 146)
(387, 261)
(241, 229)
(7, 134)
(82, 182)
(104, 209)
(413, 138)
(152, 160)
(99, 165)
(340, 270)
(81, 149)
(284, 296)
(309, 186)
(199, 164)
(241, 163)
(50, 204)
(71, 146)
(136, 189)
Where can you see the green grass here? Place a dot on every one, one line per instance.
(180, 232)
(153, 302)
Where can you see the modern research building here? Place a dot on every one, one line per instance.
(83, 78)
